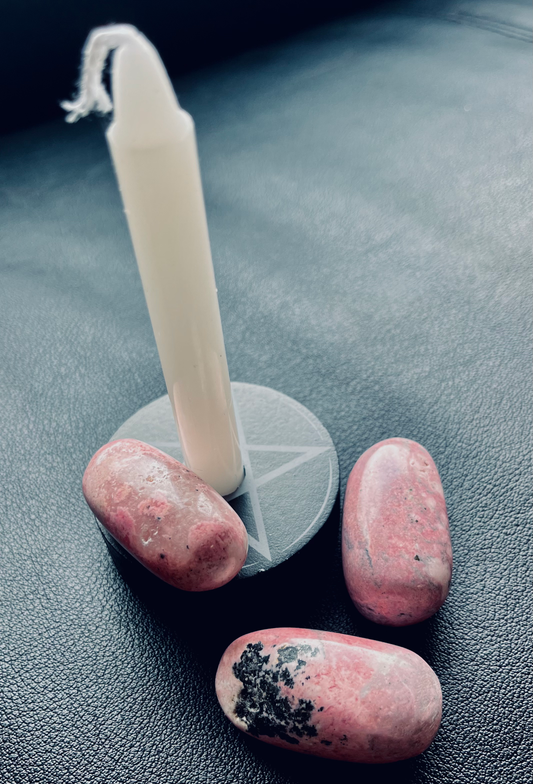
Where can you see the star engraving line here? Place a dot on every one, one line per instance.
(250, 483)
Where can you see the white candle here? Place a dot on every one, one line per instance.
(153, 146)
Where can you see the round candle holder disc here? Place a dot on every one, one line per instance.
(291, 469)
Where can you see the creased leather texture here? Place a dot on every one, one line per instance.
(368, 203)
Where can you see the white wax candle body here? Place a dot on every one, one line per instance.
(153, 146)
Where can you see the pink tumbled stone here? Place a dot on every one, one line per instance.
(396, 548)
(330, 694)
(165, 516)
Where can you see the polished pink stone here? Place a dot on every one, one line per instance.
(165, 516)
(396, 548)
(330, 694)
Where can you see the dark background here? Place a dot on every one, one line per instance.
(40, 42)
(367, 184)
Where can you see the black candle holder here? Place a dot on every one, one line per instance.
(291, 469)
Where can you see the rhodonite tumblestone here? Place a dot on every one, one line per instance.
(396, 548)
(330, 694)
(165, 516)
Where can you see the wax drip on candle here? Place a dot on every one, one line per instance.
(93, 96)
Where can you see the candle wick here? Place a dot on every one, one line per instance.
(92, 95)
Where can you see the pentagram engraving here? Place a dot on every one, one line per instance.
(251, 483)
(291, 470)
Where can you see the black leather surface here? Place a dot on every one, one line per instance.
(368, 202)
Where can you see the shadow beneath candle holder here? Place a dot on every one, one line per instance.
(207, 622)
(306, 591)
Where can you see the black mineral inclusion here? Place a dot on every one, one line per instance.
(261, 705)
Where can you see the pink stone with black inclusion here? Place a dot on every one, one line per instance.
(171, 521)
(330, 694)
(396, 548)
